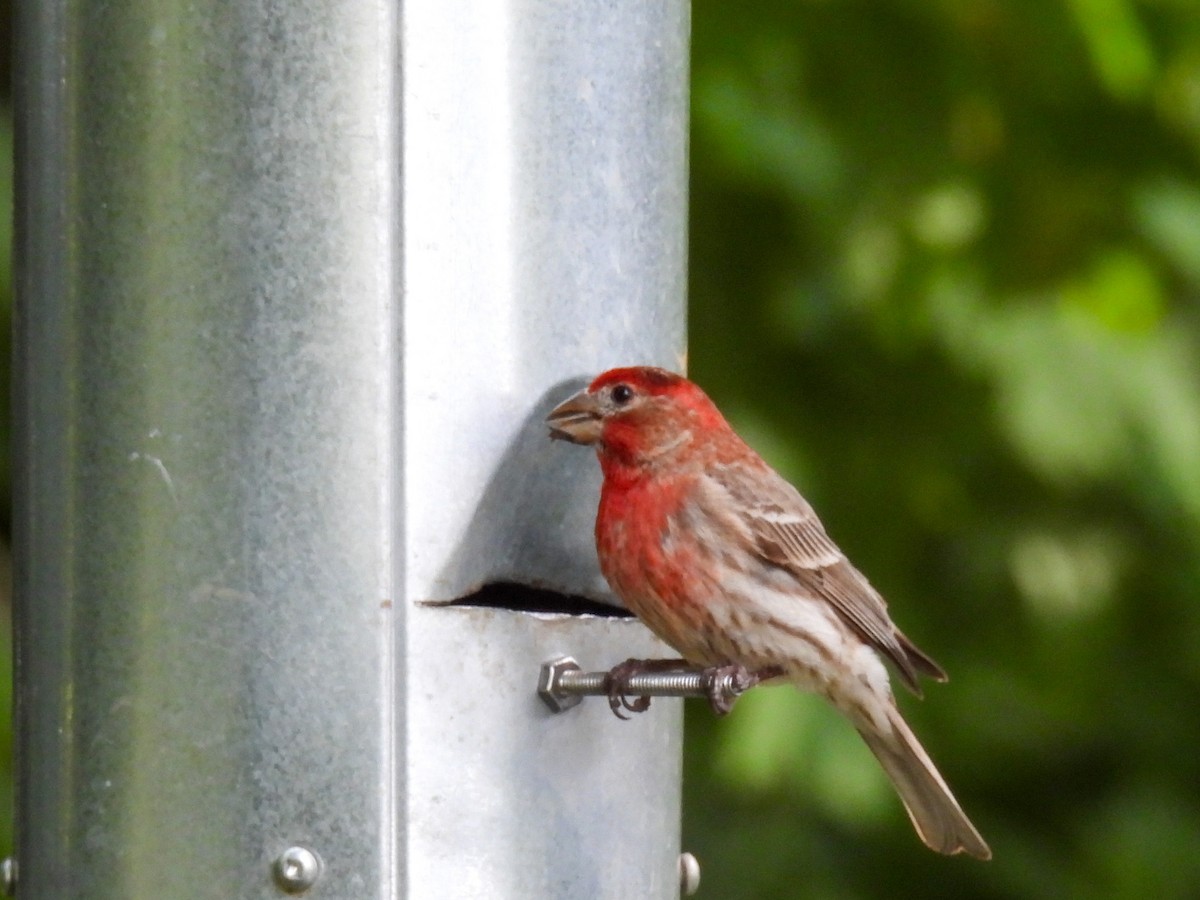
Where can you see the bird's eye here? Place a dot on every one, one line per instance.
(622, 394)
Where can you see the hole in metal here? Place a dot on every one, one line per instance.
(523, 598)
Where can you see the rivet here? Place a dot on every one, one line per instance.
(8, 876)
(689, 874)
(297, 869)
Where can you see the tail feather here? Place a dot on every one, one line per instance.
(939, 820)
(919, 659)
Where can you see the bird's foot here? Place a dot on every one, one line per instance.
(726, 683)
(617, 688)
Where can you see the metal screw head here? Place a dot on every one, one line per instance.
(297, 869)
(8, 876)
(689, 874)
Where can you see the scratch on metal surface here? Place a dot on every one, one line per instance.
(157, 463)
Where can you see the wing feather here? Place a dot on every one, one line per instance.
(786, 532)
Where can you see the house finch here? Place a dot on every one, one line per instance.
(726, 562)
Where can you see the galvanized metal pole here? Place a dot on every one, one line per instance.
(297, 282)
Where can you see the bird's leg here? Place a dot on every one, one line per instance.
(727, 683)
(617, 682)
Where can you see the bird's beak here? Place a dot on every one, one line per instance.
(576, 420)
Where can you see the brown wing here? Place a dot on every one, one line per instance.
(787, 533)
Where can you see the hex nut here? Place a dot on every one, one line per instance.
(549, 680)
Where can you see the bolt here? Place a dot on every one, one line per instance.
(8, 876)
(563, 684)
(297, 869)
(689, 874)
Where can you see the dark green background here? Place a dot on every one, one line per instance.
(945, 275)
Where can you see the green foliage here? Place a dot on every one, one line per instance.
(945, 272)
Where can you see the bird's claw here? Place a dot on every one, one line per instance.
(722, 684)
(616, 683)
(725, 684)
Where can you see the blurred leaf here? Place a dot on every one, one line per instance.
(1168, 214)
(1119, 47)
(1121, 292)
(949, 216)
(765, 136)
